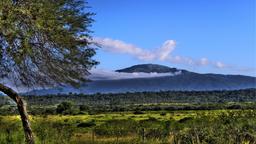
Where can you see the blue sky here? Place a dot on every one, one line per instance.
(206, 36)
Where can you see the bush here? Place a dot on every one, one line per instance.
(183, 120)
(163, 114)
(138, 112)
(86, 124)
(65, 107)
(84, 108)
(116, 128)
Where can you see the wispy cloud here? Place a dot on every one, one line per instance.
(220, 65)
(118, 46)
(163, 53)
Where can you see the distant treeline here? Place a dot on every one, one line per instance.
(137, 102)
(192, 97)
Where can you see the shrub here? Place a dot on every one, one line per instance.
(84, 108)
(86, 124)
(163, 114)
(65, 107)
(183, 120)
(138, 112)
(116, 128)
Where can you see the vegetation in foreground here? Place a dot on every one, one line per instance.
(204, 127)
(213, 117)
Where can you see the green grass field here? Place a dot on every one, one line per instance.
(153, 127)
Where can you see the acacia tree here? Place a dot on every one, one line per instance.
(43, 43)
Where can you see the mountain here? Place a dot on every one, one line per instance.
(174, 79)
(149, 68)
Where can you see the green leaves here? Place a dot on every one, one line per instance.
(43, 41)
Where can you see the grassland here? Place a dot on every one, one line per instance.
(151, 127)
(207, 117)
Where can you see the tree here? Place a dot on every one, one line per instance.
(43, 43)
(65, 107)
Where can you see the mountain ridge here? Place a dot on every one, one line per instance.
(184, 81)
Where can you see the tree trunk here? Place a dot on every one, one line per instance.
(22, 111)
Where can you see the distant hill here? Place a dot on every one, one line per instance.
(184, 81)
(149, 68)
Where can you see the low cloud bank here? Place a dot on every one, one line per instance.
(101, 74)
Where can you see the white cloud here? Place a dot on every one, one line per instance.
(163, 53)
(118, 46)
(166, 49)
(204, 61)
(219, 64)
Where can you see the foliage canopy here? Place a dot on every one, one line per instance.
(45, 42)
